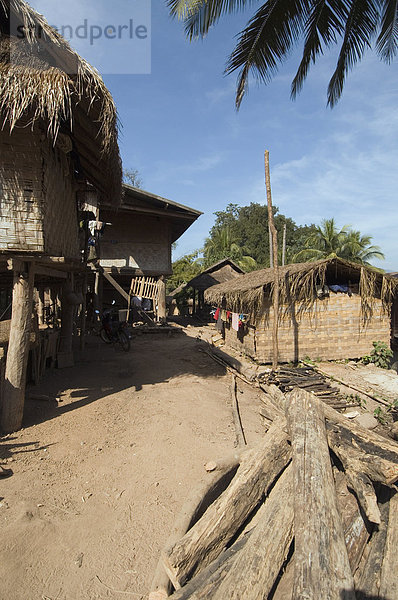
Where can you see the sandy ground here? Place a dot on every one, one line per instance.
(100, 476)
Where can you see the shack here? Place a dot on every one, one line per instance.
(329, 309)
(58, 143)
(220, 272)
(134, 251)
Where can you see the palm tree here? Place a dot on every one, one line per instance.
(278, 25)
(327, 241)
(358, 248)
(223, 244)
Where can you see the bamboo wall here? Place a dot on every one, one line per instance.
(136, 241)
(332, 330)
(38, 212)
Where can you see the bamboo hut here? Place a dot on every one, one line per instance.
(58, 142)
(220, 272)
(329, 309)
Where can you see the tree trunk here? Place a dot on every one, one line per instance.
(389, 571)
(18, 347)
(209, 536)
(322, 569)
(275, 262)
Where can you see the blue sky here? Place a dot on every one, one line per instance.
(181, 131)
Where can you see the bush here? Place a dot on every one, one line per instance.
(380, 356)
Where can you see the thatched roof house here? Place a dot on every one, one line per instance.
(43, 81)
(222, 271)
(314, 320)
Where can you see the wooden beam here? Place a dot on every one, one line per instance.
(40, 270)
(322, 568)
(18, 348)
(112, 281)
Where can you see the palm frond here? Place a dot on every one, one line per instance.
(200, 15)
(325, 22)
(360, 27)
(267, 41)
(387, 42)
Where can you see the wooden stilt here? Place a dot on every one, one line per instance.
(83, 313)
(18, 347)
(162, 299)
(65, 343)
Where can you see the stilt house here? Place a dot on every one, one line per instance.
(58, 139)
(329, 309)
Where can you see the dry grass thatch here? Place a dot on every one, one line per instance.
(298, 282)
(43, 79)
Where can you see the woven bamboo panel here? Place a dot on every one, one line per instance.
(145, 287)
(332, 330)
(21, 197)
(60, 209)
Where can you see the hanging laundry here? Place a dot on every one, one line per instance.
(228, 315)
(223, 315)
(220, 325)
(216, 314)
(235, 321)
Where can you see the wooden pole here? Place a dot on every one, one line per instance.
(275, 261)
(83, 316)
(18, 347)
(271, 254)
(284, 246)
(162, 299)
(65, 342)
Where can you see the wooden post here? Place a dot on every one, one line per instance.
(284, 246)
(96, 298)
(83, 314)
(18, 347)
(161, 299)
(65, 343)
(275, 262)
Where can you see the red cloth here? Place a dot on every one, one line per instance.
(216, 314)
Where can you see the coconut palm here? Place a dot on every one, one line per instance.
(327, 241)
(358, 248)
(223, 244)
(278, 25)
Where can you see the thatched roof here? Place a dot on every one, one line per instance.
(220, 272)
(297, 283)
(43, 79)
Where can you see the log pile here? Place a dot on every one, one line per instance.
(312, 512)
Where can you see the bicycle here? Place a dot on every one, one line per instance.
(114, 332)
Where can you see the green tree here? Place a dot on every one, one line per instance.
(248, 229)
(184, 269)
(327, 241)
(223, 244)
(278, 25)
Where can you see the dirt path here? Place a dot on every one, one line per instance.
(100, 476)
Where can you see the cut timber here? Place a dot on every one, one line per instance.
(389, 571)
(204, 585)
(18, 347)
(192, 510)
(209, 536)
(257, 566)
(322, 569)
(240, 436)
(356, 530)
(369, 581)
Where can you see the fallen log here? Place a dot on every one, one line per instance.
(191, 511)
(368, 584)
(209, 536)
(322, 568)
(356, 529)
(389, 570)
(257, 566)
(206, 583)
